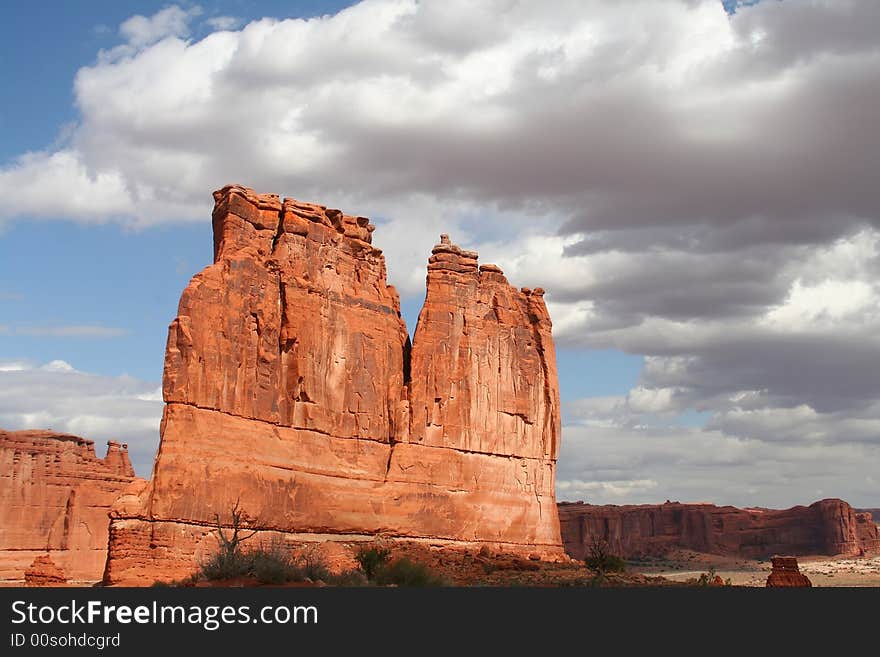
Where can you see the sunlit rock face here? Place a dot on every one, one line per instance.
(292, 388)
(56, 498)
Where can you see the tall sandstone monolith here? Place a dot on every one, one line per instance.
(56, 495)
(292, 389)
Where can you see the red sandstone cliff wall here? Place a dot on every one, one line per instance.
(56, 497)
(287, 382)
(825, 527)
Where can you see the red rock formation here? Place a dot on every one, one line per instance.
(483, 377)
(786, 574)
(826, 527)
(873, 513)
(867, 529)
(56, 496)
(287, 382)
(44, 572)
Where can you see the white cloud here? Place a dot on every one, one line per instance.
(140, 31)
(57, 396)
(615, 464)
(223, 22)
(624, 489)
(57, 366)
(13, 365)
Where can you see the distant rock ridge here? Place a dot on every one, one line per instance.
(56, 498)
(292, 386)
(828, 527)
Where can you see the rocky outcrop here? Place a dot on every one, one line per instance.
(868, 525)
(56, 499)
(828, 527)
(874, 515)
(44, 572)
(483, 366)
(867, 532)
(291, 387)
(786, 574)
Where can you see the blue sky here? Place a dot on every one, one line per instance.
(652, 165)
(112, 277)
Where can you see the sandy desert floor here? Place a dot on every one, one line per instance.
(822, 571)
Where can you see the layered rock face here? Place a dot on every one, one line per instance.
(56, 499)
(786, 574)
(483, 364)
(291, 387)
(828, 527)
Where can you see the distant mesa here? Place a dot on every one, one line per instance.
(827, 527)
(56, 498)
(291, 386)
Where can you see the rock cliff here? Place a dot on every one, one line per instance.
(56, 499)
(826, 527)
(291, 387)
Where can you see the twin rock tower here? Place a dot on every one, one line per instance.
(292, 389)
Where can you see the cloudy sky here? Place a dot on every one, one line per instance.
(693, 181)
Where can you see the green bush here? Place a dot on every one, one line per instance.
(403, 572)
(602, 561)
(372, 559)
(347, 578)
(273, 566)
(311, 565)
(225, 564)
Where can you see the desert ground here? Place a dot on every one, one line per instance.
(822, 571)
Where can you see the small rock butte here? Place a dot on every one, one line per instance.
(44, 572)
(291, 386)
(786, 574)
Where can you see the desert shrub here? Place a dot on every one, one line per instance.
(372, 559)
(229, 560)
(269, 563)
(272, 564)
(711, 578)
(311, 565)
(347, 578)
(602, 561)
(403, 572)
(224, 564)
(489, 567)
(598, 580)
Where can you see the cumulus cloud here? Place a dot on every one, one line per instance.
(140, 31)
(223, 22)
(689, 185)
(605, 462)
(56, 396)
